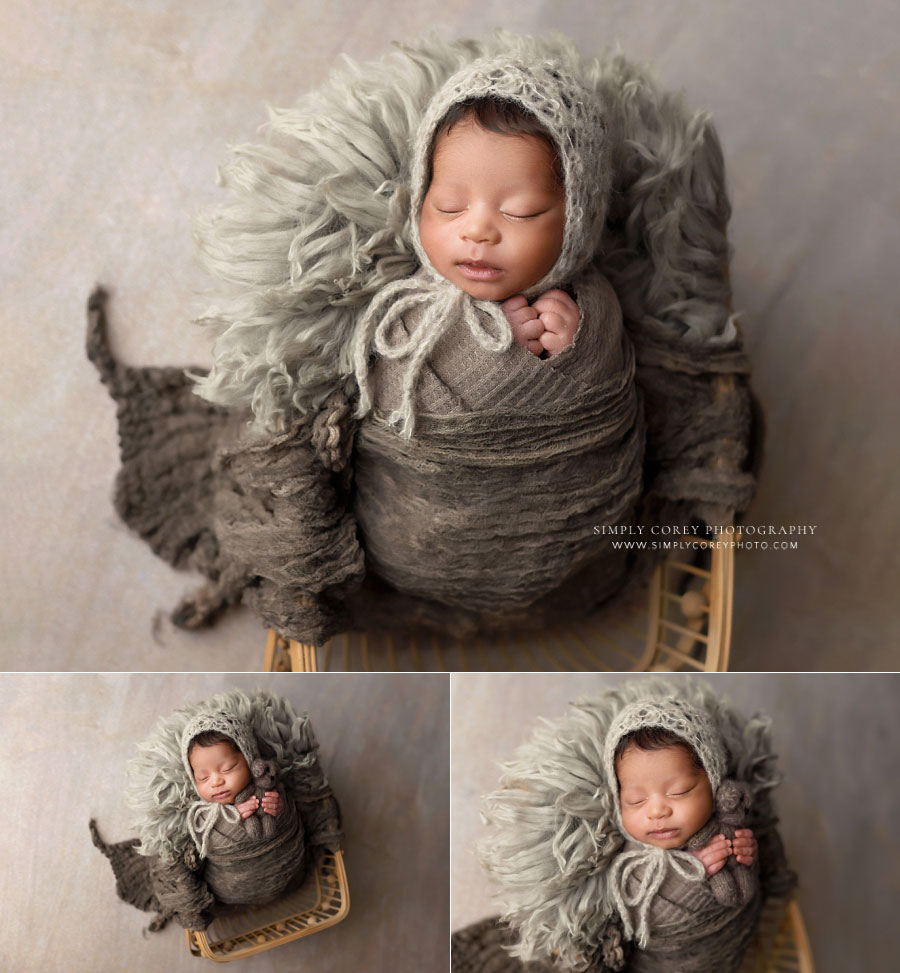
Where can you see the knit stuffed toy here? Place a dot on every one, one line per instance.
(259, 824)
(195, 857)
(736, 883)
(579, 892)
(405, 461)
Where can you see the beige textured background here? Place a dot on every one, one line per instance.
(64, 744)
(838, 742)
(115, 115)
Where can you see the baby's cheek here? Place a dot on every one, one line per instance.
(428, 237)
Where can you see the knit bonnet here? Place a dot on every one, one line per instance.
(644, 865)
(677, 716)
(230, 724)
(573, 117)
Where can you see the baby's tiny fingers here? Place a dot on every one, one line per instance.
(557, 295)
(553, 321)
(561, 304)
(553, 343)
(522, 315)
(514, 303)
(529, 330)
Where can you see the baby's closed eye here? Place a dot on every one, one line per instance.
(523, 216)
(449, 207)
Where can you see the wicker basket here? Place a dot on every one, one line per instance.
(322, 901)
(782, 945)
(685, 625)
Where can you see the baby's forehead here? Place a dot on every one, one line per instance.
(671, 754)
(529, 156)
(200, 750)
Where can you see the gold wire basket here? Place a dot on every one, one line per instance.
(322, 901)
(684, 625)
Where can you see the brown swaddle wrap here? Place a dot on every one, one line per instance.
(246, 866)
(492, 502)
(689, 929)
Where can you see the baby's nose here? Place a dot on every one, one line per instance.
(658, 809)
(479, 228)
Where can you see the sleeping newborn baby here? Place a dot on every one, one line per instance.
(509, 213)
(616, 841)
(222, 775)
(493, 217)
(220, 826)
(503, 360)
(236, 787)
(665, 762)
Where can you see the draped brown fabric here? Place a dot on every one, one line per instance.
(482, 948)
(280, 524)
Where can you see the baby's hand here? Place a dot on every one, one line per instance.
(248, 807)
(559, 315)
(547, 325)
(714, 855)
(744, 846)
(271, 803)
(526, 326)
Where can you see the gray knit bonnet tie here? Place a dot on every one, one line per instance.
(648, 862)
(203, 816)
(573, 116)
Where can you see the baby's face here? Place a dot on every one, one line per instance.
(665, 798)
(493, 218)
(220, 772)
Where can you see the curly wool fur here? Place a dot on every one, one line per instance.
(554, 823)
(321, 223)
(160, 792)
